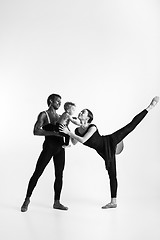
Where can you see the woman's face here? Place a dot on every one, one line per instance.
(83, 115)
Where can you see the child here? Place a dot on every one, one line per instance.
(66, 118)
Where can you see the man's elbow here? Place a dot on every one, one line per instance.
(35, 132)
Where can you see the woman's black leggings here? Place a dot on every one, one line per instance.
(117, 137)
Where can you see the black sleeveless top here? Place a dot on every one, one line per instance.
(102, 144)
(52, 127)
(95, 141)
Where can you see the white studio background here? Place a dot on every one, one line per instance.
(102, 55)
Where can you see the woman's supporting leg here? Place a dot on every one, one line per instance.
(113, 185)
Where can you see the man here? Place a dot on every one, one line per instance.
(52, 147)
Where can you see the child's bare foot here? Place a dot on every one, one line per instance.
(66, 146)
(153, 103)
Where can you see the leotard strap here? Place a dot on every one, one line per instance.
(49, 121)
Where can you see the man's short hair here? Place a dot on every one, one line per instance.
(52, 97)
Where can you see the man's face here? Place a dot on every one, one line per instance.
(56, 103)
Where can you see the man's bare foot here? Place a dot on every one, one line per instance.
(24, 207)
(58, 205)
(153, 103)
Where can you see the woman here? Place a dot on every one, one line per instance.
(105, 146)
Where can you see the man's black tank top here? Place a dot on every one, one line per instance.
(52, 127)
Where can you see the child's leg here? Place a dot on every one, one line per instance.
(67, 138)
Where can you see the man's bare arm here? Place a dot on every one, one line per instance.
(38, 130)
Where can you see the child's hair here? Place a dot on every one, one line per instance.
(67, 105)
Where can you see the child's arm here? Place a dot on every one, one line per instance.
(75, 120)
(63, 118)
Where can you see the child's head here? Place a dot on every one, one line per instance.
(70, 107)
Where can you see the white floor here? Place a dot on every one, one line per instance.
(85, 191)
(84, 220)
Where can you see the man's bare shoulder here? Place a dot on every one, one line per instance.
(42, 115)
(41, 119)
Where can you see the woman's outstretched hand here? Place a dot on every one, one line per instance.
(63, 129)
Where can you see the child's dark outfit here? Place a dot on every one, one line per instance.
(66, 136)
(51, 127)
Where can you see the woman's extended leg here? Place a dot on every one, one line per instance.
(119, 135)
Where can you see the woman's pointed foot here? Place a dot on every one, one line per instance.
(153, 103)
(110, 205)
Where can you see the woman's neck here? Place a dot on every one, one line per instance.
(85, 125)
